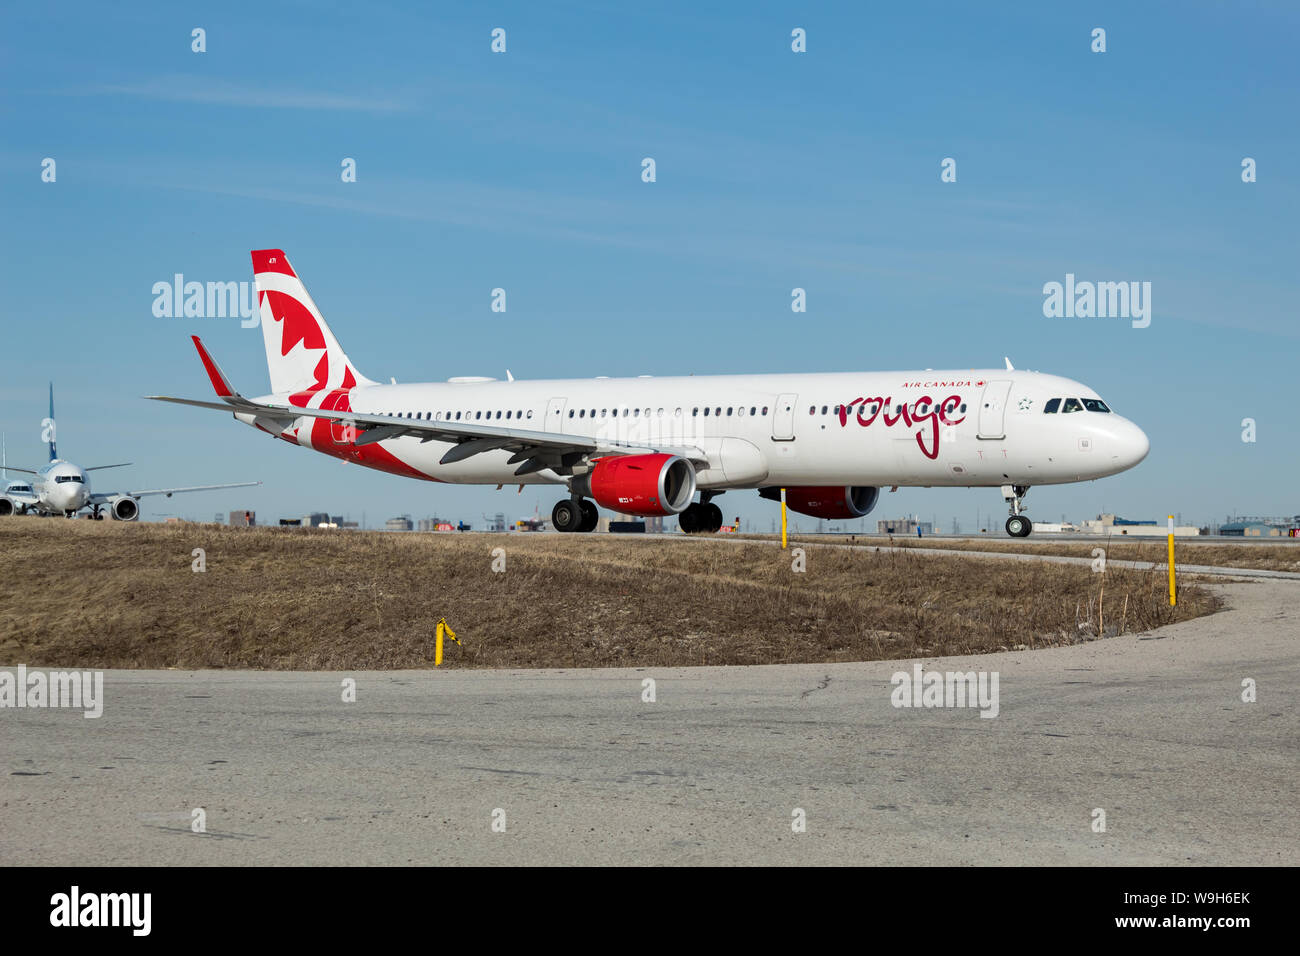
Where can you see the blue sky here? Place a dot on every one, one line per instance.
(775, 170)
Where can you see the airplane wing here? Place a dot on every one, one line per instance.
(107, 496)
(102, 467)
(532, 450)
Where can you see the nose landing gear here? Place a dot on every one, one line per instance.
(1018, 525)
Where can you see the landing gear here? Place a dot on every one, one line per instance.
(574, 514)
(1018, 525)
(566, 516)
(590, 516)
(700, 517)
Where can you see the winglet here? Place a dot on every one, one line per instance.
(1010, 367)
(218, 378)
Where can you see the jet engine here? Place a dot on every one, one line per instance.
(124, 508)
(837, 502)
(6, 507)
(644, 485)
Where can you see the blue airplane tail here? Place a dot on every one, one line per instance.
(48, 426)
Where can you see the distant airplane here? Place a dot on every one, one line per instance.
(62, 488)
(644, 446)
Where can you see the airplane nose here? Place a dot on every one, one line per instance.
(1132, 444)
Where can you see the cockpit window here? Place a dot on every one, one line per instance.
(1095, 405)
(60, 479)
(1051, 407)
(1071, 405)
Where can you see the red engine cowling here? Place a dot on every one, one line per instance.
(644, 485)
(837, 502)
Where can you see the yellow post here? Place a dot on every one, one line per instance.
(1173, 594)
(783, 537)
(437, 653)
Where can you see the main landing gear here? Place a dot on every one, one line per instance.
(702, 516)
(574, 514)
(1018, 525)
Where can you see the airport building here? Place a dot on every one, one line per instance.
(241, 519)
(907, 526)
(1111, 524)
(1254, 529)
(401, 523)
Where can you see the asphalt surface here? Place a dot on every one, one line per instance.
(1151, 729)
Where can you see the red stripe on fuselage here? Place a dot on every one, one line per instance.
(324, 433)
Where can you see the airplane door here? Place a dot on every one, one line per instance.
(555, 415)
(993, 407)
(783, 418)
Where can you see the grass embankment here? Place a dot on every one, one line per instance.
(103, 594)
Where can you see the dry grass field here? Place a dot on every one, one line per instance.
(1283, 556)
(103, 594)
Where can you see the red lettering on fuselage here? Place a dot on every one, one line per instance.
(929, 421)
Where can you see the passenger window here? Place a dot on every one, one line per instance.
(753, 409)
(812, 409)
(582, 414)
(729, 411)
(706, 413)
(1052, 405)
(695, 412)
(764, 409)
(571, 413)
(1071, 405)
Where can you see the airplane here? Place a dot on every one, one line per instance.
(63, 488)
(826, 443)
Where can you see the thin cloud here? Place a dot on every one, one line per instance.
(198, 90)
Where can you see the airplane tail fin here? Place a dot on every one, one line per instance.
(302, 355)
(47, 427)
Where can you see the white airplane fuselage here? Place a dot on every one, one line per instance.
(61, 487)
(920, 428)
